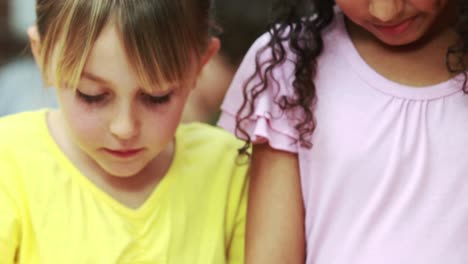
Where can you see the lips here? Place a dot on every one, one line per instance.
(124, 153)
(395, 29)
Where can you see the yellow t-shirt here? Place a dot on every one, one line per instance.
(50, 213)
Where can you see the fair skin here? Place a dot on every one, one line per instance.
(384, 38)
(118, 135)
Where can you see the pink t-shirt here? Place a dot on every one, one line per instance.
(386, 180)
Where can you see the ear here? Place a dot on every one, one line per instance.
(35, 42)
(213, 48)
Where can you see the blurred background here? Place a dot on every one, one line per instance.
(21, 86)
(22, 89)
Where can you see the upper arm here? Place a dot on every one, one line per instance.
(275, 214)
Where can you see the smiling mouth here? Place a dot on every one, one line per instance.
(124, 153)
(395, 29)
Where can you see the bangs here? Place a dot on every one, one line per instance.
(68, 32)
(163, 39)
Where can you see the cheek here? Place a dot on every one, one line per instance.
(354, 10)
(429, 6)
(173, 117)
(164, 123)
(85, 125)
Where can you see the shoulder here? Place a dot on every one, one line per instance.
(266, 50)
(20, 121)
(210, 156)
(206, 148)
(335, 34)
(22, 129)
(333, 31)
(17, 143)
(204, 136)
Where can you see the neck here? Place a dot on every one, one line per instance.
(420, 63)
(148, 177)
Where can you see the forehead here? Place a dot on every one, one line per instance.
(108, 58)
(110, 61)
(108, 51)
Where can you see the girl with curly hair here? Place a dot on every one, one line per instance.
(358, 115)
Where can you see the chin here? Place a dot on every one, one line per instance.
(400, 42)
(407, 39)
(124, 171)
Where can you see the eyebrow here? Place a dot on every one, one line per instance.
(95, 78)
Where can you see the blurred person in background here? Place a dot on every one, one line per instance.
(240, 22)
(21, 86)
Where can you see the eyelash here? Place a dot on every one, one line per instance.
(90, 99)
(156, 100)
(148, 99)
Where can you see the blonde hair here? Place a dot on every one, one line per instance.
(160, 37)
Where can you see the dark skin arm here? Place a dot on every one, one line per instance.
(275, 215)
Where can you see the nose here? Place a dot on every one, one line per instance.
(386, 10)
(124, 125)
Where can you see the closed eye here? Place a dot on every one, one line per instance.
(90, 99)
(156, 100)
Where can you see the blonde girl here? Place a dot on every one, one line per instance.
(111, 176)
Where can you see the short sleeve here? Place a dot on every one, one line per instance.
(9, 214)
(268, 122)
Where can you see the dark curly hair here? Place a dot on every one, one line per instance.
(299, 24)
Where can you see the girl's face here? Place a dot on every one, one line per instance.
(110, 118)
(396, 22)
